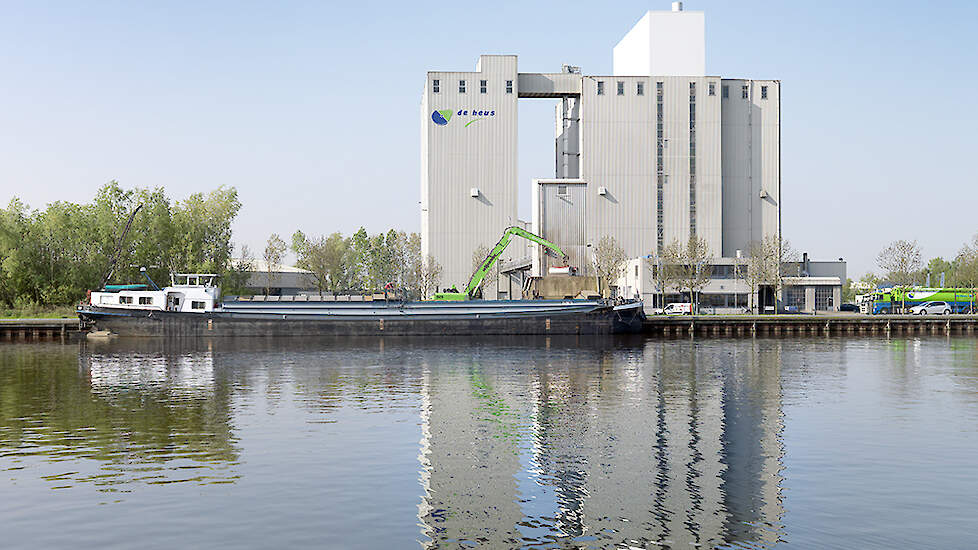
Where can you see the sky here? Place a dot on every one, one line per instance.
(310, 109)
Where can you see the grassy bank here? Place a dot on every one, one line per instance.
(37, 312)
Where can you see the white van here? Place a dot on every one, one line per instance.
(678, 308)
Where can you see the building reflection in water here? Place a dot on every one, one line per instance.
(670, 444)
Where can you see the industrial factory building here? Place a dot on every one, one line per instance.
(651, 154)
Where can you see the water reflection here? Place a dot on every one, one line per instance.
(662, 445)
(115, 418)
(537, 443)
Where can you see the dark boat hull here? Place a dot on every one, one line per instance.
(607, 319)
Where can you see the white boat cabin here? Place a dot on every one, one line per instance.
(188, 293)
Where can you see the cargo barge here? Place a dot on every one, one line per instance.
(194, 308)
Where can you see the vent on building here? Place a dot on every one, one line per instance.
(561, 189)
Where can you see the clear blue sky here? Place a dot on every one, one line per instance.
(311, 109)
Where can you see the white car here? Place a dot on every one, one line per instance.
(678, 308)
(940, 308)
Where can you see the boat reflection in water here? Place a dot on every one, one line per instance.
(139, 415)
(652, 446)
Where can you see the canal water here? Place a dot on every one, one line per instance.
(461, 443)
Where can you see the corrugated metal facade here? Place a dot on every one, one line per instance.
(560, 216)
(619, 137)
(751, 162)
(474, 149)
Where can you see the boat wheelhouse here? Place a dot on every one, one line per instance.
(187, 293)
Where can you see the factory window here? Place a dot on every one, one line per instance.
(621, 88)
(509, 86)
(483, 84)
(726, 91)
(640, 88)
(763, 92)
(601, 87)
(145, 300)
(125, 299)
(795, 296)
(743, 91)
(713, 88)
(461, 86)
(436, 86)
(196, 305)
(823, 298)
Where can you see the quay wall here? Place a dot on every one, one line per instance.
(22, 330)
(808, 325)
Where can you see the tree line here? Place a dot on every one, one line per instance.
(901, 263)
(358, 263)
(53, 256)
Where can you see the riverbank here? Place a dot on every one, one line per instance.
(39, 312)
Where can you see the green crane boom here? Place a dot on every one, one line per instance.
(493, 257)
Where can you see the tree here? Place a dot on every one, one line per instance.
(275, 247)
(689, 265)
(901, 261)
(428, 276)
(769, 262)
(966, 267)
(359, 260)
(848, 292)
(930, 274)
(234, 281)
(609, 260)
(411, 269)
(869, 280)
(325, 257)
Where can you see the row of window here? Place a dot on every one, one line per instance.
(712, 89)
(639, 88)
(483, 86)
(148, 301)
(143, 300)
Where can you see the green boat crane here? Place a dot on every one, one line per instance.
(497, 251)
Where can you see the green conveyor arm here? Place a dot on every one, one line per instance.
(497, 251)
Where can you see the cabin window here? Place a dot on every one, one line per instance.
(196, 305)
(176, 301)
(145, 300)
(125, 299)
(105, 300)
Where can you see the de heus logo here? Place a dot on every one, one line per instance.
(442, 117)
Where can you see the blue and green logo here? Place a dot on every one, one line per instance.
(442, 117)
